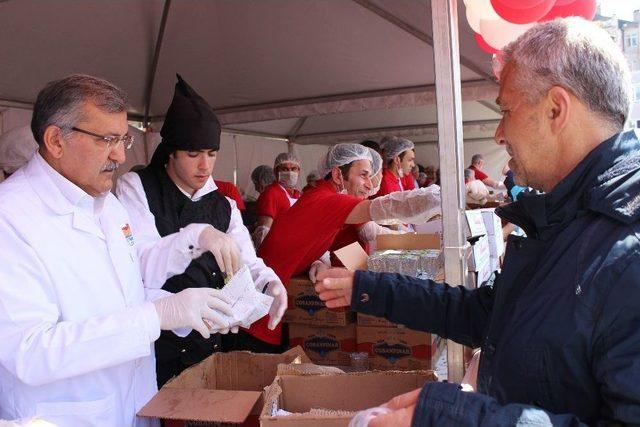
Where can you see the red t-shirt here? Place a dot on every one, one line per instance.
(408, 183)
(229, 190)
(479, 174)
(273, 201)
(389, 184)
(300, 236)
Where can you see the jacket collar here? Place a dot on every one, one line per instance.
(607, 181)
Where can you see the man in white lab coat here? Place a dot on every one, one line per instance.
(76, 324)
(175, 190)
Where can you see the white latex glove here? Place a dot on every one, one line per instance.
(411, 207)
(259, 234)
(316, 268)
(223, 248)
(202, 309)
(369, 232)
(276, 290)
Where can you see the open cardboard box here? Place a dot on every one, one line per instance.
(223, 388)
(332, 399)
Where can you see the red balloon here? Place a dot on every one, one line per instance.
(583, 8)
(522, 16)
(523, 4)
(484, 45)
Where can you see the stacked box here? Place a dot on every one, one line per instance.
(398, 348)
(305, 307)
(325, 346)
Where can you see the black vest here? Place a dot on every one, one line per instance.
(172, 211)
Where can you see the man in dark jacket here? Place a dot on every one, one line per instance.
(560, 328)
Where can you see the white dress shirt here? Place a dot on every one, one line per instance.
(131, 193)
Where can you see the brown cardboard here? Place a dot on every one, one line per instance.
(201, 405)
(380, 322)
(227, 379)
(396, 348)
(325, 345)
(332, 400)
(407, 241)
(352, 256)
(306, 307)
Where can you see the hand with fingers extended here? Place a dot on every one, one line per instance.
(202, 309)
(223, 248)
(334, 286)
(401, 412)
(276, 290)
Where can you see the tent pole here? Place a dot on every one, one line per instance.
(154, 65)
(444, 17)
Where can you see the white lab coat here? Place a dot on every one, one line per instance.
(76, 325)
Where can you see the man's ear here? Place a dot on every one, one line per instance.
(336, 176)
(53, 141)
(558, 108)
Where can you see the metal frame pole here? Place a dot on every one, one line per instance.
(450, 147)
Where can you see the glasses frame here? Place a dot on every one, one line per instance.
(111, 141)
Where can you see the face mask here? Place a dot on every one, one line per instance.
(288, 179)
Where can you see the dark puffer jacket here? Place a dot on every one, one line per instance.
(560, 328)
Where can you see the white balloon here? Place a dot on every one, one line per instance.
(477, 10)
(498, 32)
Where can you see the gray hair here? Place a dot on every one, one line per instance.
(60, 102)
(264, 175)
(469, 174)
(574, 54)
(476, 158)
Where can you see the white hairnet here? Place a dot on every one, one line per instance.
(285, 158)
(263, 174)
(16, 148)
(393, 146)
(376, 163)
(343, 154)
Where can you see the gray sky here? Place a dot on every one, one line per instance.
(621, 8)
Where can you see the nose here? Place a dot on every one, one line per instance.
(499, 135)
(205, 161)
(117, 154)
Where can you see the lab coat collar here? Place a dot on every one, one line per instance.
(63, 197)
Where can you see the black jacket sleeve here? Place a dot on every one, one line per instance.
(455, 313)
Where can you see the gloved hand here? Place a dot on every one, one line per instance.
(369, 232)
(411, 207)
(223, 248)
(196, 308)
(316, 268)
(276, 290)
(259, 234)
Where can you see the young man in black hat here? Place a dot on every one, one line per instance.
(175, 192)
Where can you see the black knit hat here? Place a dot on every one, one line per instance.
(190, 124)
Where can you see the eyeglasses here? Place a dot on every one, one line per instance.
(111, 141)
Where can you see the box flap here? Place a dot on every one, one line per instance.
(352, 256)
(201, 405)
(407, 241)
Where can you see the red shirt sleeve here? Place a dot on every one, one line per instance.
(270, 202)
(479, 174)
(231, 191)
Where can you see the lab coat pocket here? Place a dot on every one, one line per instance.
(86, 413)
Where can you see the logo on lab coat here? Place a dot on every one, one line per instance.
(126, 230)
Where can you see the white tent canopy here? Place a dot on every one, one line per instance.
(312, 72)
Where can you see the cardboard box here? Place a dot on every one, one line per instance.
(397, 348)
(306, 307)
(380, 322)
(332, 400)
(325, 345)
(223, 388)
